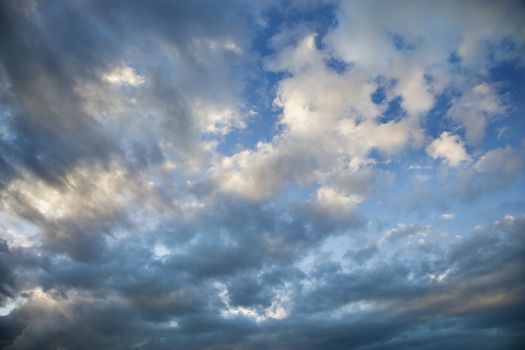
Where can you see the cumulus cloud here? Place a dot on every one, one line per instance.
(327, 118)
(448, 147)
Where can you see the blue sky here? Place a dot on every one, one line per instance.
(312, 174)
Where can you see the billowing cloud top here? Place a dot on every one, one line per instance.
(262, 174)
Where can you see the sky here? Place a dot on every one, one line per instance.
(295, 174)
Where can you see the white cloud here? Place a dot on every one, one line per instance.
(448, 216)
(395, 42)
(124, 76)
(448, 147)
(440, 277)
(334, 110)
(278, 309)
(330, 126)
(417, 98)
(334, 200)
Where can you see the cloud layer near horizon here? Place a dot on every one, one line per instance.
(265, 175)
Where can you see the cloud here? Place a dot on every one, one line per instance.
(327, 118)
(317, 101)
(228, 174)
(122, 76)
(393, 42)
(448, 147)
(495, 170)
(448, 216)
(475, 108)
(63, 111)
(75, 217)
(502, 161)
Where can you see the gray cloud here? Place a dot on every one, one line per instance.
(139, 299)
(124, 227)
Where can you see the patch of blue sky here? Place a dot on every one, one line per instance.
(511, 84)
(401, 43)
(436, 120)
(425, 192)
(379, 96)
(337, 65)
(262, 116)
(394, 110)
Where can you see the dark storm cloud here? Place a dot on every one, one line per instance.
(50, 132)
(47, 49)
(248, 247)
(91, 213)
(237, 234)
(7, 277)
(138, 297)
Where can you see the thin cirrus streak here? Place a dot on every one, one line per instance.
(262, 175)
